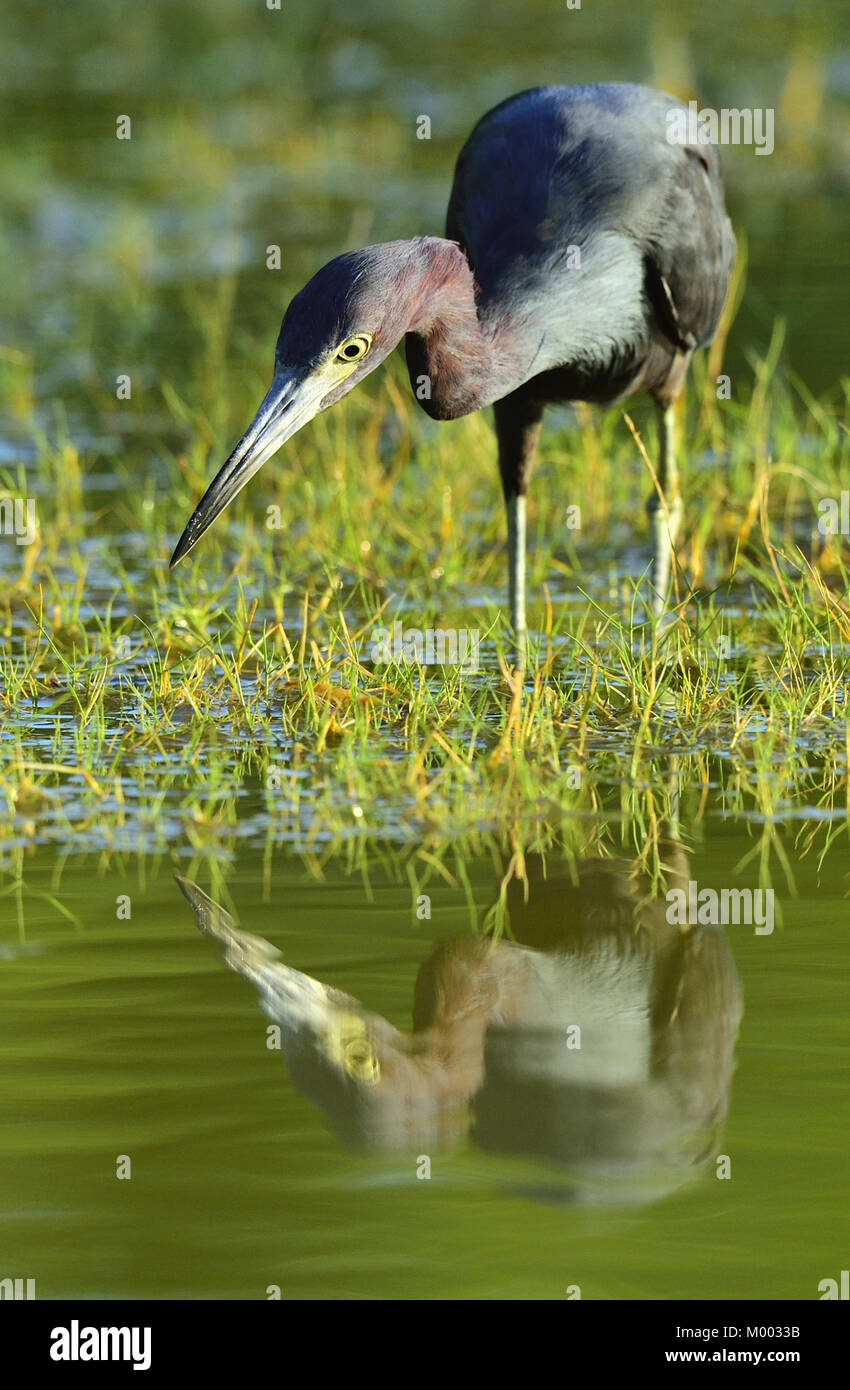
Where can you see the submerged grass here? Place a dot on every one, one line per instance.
(240, 695)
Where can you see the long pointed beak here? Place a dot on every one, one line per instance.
(290, 402)
(290, 997)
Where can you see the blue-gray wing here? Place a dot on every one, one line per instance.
(559, 168)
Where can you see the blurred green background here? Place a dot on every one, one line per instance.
(297, 127)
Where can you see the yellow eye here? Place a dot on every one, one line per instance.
(361, 1061)
(354, 348)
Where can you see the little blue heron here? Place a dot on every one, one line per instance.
(586, 257)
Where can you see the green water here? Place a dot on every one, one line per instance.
(131, 1038)
(128, 1036)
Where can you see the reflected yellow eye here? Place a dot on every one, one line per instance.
(348, 1045)
(361, 1061)
(354, 348)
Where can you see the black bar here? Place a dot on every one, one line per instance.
(220, 1339)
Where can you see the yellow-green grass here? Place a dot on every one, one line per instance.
(135, 699)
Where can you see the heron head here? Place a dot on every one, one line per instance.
(342, 325)
(373, 1083)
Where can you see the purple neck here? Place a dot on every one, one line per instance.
(459, 357)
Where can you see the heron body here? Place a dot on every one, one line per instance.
(586, 257)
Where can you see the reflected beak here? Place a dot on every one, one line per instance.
(290, 997)
(290, 402)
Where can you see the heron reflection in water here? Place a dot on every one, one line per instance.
(600, 1039)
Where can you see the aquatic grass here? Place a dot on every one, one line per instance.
(240, 694)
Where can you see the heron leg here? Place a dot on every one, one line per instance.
(518, 421)
(665, 509)
(516, 563)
